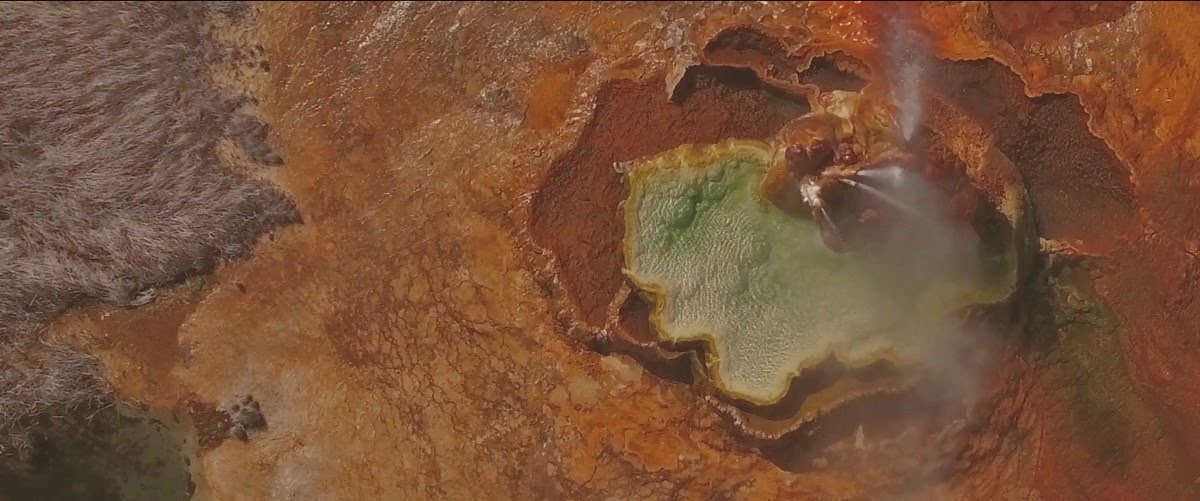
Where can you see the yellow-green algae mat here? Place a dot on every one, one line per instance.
(723, 265)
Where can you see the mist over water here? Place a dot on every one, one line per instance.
(926, 244)
(924, 247)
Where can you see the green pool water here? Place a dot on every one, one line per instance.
(724, 265)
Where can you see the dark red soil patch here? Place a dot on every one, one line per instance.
(575, 215)
(211, 424)
(635, 320)
(1080, 191)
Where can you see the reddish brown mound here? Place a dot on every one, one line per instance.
(835, 71)
(1081, 193)
(575, 215)
(745, 47)
(749, 48)
(1023, 22)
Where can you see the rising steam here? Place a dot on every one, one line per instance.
(906, 56)
(925, 245)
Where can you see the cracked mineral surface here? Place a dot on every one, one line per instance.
(450, 319)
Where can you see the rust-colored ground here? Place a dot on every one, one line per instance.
(576, 216)
(409, 341)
